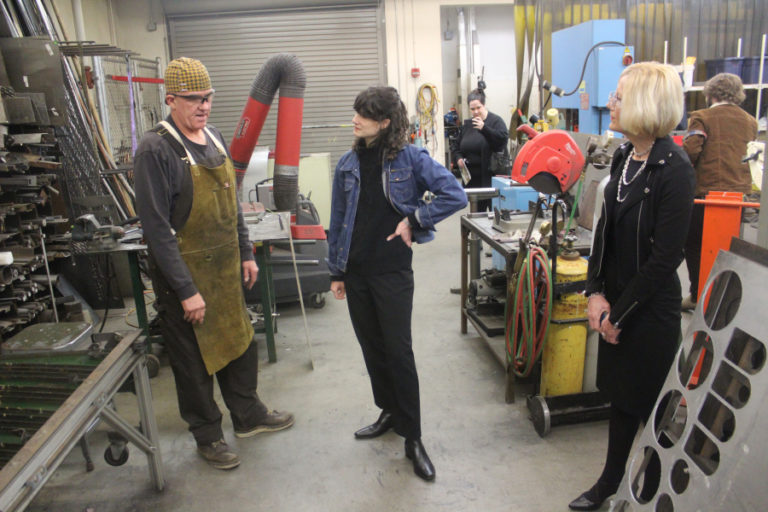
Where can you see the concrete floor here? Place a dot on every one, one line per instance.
(487, 455)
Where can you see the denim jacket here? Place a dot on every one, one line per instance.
(405, 180)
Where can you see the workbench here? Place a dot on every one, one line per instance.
(133, 251)
(33, 464)
(479, 225)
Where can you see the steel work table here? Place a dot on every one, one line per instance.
(479, 225)
(263, 229)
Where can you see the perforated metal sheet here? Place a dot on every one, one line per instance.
(708, 428)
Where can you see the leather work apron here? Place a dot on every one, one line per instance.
(208, 244)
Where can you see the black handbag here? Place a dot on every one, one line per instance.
(501, 163)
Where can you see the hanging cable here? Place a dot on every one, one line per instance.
(586, 60)
(573, 210)
(427, 110)
(528, 320)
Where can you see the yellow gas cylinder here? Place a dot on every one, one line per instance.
(562, 359)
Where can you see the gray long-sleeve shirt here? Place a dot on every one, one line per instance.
(164, 200)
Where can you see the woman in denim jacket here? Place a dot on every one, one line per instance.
(377, 210)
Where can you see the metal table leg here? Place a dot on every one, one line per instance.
(149, 424)
(463, 253)
(138, 293)
(267, 289)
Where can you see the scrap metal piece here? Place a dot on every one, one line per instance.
(49, 336)
(25, 138)
(13, 162)
(34, 66)
(39, 106)
(19, 110)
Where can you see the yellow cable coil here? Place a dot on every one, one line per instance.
(427, 109)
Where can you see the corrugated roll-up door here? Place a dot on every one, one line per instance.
(339, 47)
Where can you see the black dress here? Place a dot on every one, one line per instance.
(637, 249)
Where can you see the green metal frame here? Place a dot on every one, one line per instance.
(267, 288)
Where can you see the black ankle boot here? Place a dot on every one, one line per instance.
(381, 426)
(593, 499)
(422, 466)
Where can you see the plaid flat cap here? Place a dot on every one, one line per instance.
(185, 74)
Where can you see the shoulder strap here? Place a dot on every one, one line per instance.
(169, 133)
(184, 203)
(216, 141)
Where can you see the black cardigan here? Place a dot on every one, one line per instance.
(665, 204)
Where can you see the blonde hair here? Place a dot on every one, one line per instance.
(651, 99)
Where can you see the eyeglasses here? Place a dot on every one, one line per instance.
(613, 100)
(200, 99)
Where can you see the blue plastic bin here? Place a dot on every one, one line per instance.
(750, 72)
(733, 65)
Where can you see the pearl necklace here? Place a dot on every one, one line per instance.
(623, 180)
(639, 154)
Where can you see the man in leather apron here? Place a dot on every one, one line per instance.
(198, 252)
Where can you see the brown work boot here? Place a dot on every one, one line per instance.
(272, 422)
(219, 455)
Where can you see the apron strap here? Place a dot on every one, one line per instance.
(216, 141)
(170, 130)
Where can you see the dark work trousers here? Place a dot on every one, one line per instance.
(194, 386)
(380, 307)
(693, 248)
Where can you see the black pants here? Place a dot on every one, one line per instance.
(194, 386)
(380, 307)
(693, 248)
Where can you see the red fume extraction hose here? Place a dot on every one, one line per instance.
(284, 72)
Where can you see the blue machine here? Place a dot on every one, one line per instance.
(511, 197)
(605, 64)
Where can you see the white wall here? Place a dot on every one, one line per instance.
(496, 40)
(133, 28)
(414, 39)
(496, 36)
(450, 56)
(119, 23)
(95, 18)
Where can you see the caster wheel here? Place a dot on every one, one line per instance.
(153, 365)
(317, 300)
(537, 406)
(112, 461)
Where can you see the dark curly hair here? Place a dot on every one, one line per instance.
(380, 103)
(725, 87)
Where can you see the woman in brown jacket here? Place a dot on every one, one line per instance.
(716, 143)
